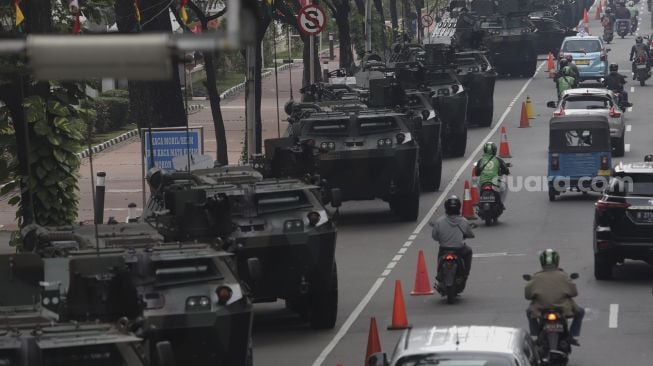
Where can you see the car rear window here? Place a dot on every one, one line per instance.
(632, 184)
(338, 127)
(457, 359)
(587, 102)
(368, 126)
(582, 46)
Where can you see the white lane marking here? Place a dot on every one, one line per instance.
(391, 265)
(613, 321)
(629, 128)
(397, 258)
(344, 328)
(412, 237)
(124, 190)
(402, 250)
(632, 89)
(627, 147)
(501, 254)
(386, 272)
(408, 244)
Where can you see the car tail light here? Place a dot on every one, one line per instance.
(559, 113)
(602, 205)
(487, 187)
(603, 244)
(449, 257)
(604, 162)
(224, 294)
(614, 113)
(551, 317)
(555, 162)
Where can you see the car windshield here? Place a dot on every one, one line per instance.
(582, 46)
(587, 102)
(640, 184)
(457, 359)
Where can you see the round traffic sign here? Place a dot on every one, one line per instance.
(427, 20)
(311, 20)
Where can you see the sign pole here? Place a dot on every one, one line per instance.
(311, 44)
(368, 25)
(311, 21)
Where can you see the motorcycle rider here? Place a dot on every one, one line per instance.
(608, 19)
(450, 231)
(566, 81)
(615, 82)
(639, 49)
(622, 12)
(552, 288)
(489, 169)
(633, 15)
(574, 68)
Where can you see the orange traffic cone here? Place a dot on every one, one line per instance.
(468, 205)
(422, 282)
(476, 197)
(586, 18)
(399, 318)
(523, 121)
(504, 149)
(550, 66)
(373, 342)
(599, 10)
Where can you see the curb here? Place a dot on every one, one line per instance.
(194, 108)
(107, 144)
(237, 88)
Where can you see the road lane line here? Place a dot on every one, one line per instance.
(402, 250)
(408, 244)
(397, 258)
(385, 272)
(629, 128)
(412, 237)
(391, 265)
(627, 147)
(632, 89)
(613, 321)
(344, 328)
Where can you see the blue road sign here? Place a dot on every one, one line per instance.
(166, 144)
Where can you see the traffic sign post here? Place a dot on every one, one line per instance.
(311, 20)
(166, 144)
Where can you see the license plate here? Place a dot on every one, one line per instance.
(582, 62)
(644, 216)
(641, 66)
(553, 327)
(604, 173)
(488, 198)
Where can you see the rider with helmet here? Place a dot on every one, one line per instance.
(574, 68)
(451, 230)
(552, 288)
(489, 169)
(566, 81)
(615, 82)
(608, 20)
(639, 49)
(622, 12)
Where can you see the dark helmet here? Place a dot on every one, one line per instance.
(639, 40)
(569, 58)
(490, 148)
(648, 158)
(452, 205)
(563, 63)
(549, 258)
(614, 67)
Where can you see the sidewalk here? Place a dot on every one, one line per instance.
(123, 162)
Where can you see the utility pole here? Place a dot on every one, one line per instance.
(250, 99)
(311, 57)
(368, 25)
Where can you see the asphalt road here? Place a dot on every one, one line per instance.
(374, 250)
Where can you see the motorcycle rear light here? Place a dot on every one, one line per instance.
(487, 187)
(602, 205)
(551, 317)
(604, 163)
(555, 162)
(559, 113)
(449, 257)
(224, 294)
(614, 113)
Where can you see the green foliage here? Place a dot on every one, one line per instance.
(111, 113)
(55, 128)
(115, 93)
(357, 27)
(7, 147)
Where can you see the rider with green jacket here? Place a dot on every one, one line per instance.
(490, 168)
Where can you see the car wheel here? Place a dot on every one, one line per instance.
(324, 302)
(552, 194)
(431, 175)
(486, 116)
(408, 203)
(620, 147)
(459, 144)
(603, 266)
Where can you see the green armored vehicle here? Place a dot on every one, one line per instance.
(125, 297)
(478, 77)
(280, 223)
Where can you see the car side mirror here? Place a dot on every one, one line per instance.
(509, 165)
(336, 197)
(527, 277)
(254, 268)
(377, 359)
(551, 104)
(574, 276)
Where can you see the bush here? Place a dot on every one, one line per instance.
(111, 113)
(115, 93)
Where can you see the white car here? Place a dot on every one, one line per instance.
(594, 102)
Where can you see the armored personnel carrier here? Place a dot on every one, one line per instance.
(280, 223)
(121, 296)
(478, 77)
(503, 30)
(364, 150)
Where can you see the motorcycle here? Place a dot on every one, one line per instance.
(553, 334)
(451, 275)
(608, 34)
(642, 72)
(623, 106)
(623, 27)
(490, 206)
(633, 24)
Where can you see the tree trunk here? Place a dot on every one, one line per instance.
(344, 37)
(394, 19)
(262, 25)
(378, 4)
(419, 4)
(316, 61)
(152, 103)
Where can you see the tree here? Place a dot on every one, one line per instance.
(394, 20)
(340, 10)
(152, 103)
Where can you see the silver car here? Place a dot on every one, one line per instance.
(465, 345)
(595, 102)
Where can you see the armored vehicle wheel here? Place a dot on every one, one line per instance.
(459, 144)
(323, 310)
(165, 356)
(486, 116)
(431, 175)
(408, 204)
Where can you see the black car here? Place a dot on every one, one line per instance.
(623, 219)
(549, 34)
